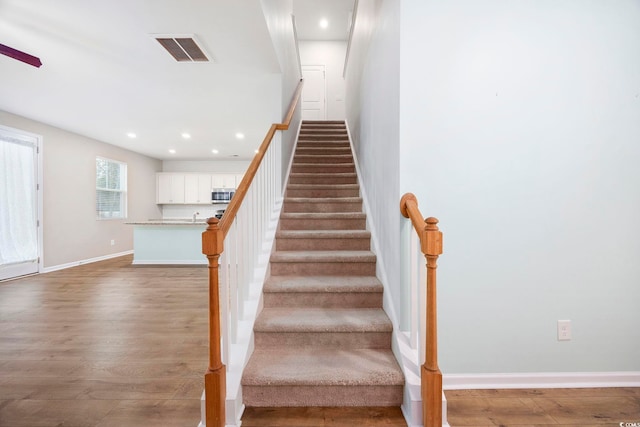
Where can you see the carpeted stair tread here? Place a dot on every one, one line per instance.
(308, 151)
(319, 165)
(323, 234)
(324, 156)
(322, 215)
(322, 367)
(323, 221)
(321, 129)
(323, 144)
(323, 190)
(322, 186)
(323, 122)
(336, 174)
(333, 174)
(323, 178)
(305, 319)
(308, 130)
(345, 284)
(322, 168)
(323, 199)
(323, 256)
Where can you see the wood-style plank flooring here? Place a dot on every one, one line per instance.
(108, 344)
(544, 407)
(105, 345)
(595, 407)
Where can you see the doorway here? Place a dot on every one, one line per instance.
(314, 93)
(20, 237)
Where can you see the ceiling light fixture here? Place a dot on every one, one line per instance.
(186, 135)
(131, 135)
(214, 151)
(256, 151)
(324, 23)
(240, 135)
(172, 151)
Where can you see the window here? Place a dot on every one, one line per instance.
(111, 189)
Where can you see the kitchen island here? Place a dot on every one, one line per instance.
(168, 242)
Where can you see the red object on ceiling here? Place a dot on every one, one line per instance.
(20, 56)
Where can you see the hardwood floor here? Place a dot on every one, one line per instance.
(544, 407)
(323, 417)
(531, 407)
(104, 344)
(108, 344)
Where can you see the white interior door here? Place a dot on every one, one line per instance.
(19, 214)
(314, 93)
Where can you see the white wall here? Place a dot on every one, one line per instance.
(520, 130)
(331, 54)
(278, 17)
(71, 232)
(206, 166)
(373, 116)
(367, 14)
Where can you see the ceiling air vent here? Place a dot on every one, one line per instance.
(183, 48)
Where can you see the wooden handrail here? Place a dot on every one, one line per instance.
(292, 107)
(241, 191)
(212, 246)
(431, 246)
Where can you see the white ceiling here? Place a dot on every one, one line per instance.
(308, 14)
(104, 75)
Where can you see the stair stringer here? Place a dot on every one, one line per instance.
(400, 344)
(241, 351)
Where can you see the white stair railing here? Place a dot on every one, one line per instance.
(238, 261)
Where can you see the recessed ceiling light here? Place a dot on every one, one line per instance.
(214, 151)
(186, 135)
(256, 151)
(324, 23)
(172, 151)
(240, 135)
(131, 135)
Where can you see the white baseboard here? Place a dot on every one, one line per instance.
(84, 261)
(541, 380)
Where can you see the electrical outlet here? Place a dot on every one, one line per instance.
(113, 242)
(564, 330)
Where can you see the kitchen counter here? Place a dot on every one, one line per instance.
(168, 241)
(177, 221)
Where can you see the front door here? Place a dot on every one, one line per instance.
(313, 93)
(18, 203)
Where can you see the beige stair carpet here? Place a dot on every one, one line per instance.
(322, 338)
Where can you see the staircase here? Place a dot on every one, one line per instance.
(322, 338)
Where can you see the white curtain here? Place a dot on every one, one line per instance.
(18, 229)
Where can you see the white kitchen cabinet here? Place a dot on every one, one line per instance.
(223, 180)
(239, 179)
(197, 189)
(191, 188)
(170, 188)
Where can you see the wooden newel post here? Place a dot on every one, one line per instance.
(430, 373)
(215, 384)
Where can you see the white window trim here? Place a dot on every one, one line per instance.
(123, 192)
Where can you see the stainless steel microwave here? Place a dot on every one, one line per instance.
(222, 195)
